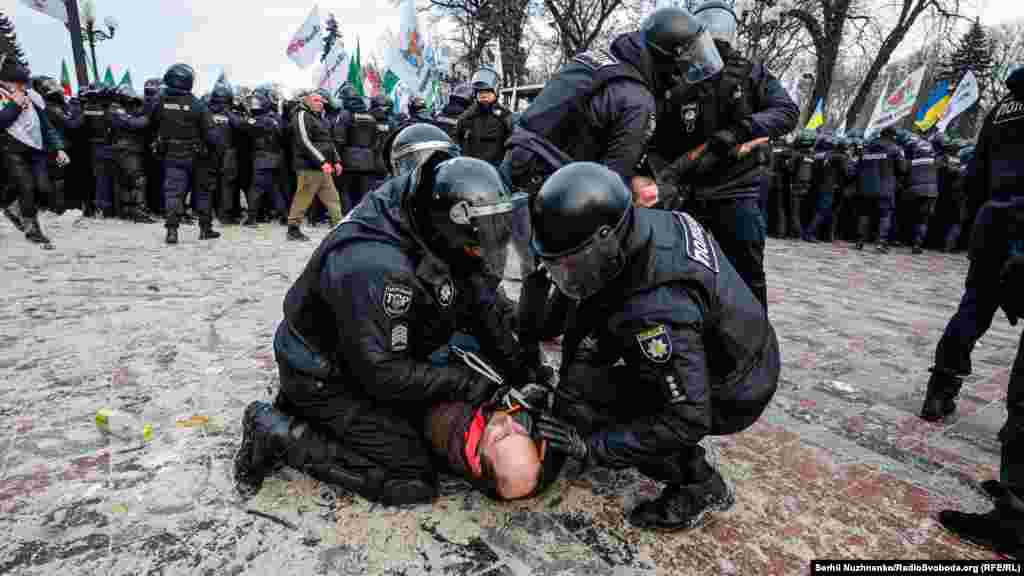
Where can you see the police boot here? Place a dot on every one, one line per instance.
(172, 235)
(294, 233)
(1001, 529)
(35, 234)
(206, 231)
(940, 399)
(684, 506)
(264, 434)
(138, 215)
(883, 247)
(13, 213)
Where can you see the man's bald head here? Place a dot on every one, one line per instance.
(510, 458)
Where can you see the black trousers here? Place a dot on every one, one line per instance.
(27, 174)
(738, 226)
(1011, 471)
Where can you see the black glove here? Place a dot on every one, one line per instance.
(1011, 281)
(723, 142)
(563, 437)
(476, 390)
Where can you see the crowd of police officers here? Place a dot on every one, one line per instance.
(651, 172)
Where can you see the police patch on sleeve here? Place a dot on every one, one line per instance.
(399, 338)
(446, 293)
(674, 391)
(698, 244)
(655, 344)
(596, 59)
(397, 300)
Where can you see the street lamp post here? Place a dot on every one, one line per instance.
(95, 35)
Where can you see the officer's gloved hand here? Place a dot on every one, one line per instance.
(476, 391)
(563, 437)
(1011, 280)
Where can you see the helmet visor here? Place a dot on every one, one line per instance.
(492, 226)
(408, 158)
(485, 79)
(583, 273)
(700, 60)
(720, 23)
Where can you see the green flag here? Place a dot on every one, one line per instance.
(389, 82)
(65, 78)
(355, 72)
(108, 78)
(126, 80)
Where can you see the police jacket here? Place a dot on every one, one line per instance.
(312, 144)
(481, 133)
(10, 113)
(181, 122)
(878, 168)
(781, 156)
(360, 137)
(829, 168)
(951, 177)
(686, 325)
(744, 98)
(221, 133)
(598, 108)
(922, 176)
(97, 125)
(381, 140)
(801, 170)
(128, 131)
(264, 133)
(375, 303)
(448, 119)
(999, 154)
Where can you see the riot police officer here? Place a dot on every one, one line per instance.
(922, 188)
(66, 118)
(600, 107)
(801, 170)
(380, 109)
(97, 127)
(460, 99)
(264, 129)
(413, 262)
(128, 133)
(737, 103)
(995, 277)
(418, 111)
(154, 171)
(996, 236)
(358, 154)
(778, 195)
(660, 305)
(830, 172)
(181, 123)
(879, 166)
(414, 144)
(223, 178)
(483, 127)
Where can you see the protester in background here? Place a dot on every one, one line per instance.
(316, 160)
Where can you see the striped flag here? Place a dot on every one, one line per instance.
(65, 78)
(818, 118)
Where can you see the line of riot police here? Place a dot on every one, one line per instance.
(895, 188)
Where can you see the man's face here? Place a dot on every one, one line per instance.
(315, 103)
(509, 456)
(486, 97)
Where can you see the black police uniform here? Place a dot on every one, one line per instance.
(264, 129)
(801, 175)
(448, 119)
(181, 123)
(745, 99)
(223, 181)
(360, 324)
(843, 211)
(358, 157)
(951, 207)
(922, 188)
(128, 135)
(700, 357)
(829, 173)
(97, 126)
(877, 171)
(997, 234)
(154, 167)
(778, 196)
(381, 141)
(482, 130)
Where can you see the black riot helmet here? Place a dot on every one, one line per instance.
(417, 105)
(127, 95)
(48, 87)
(580, 219)
(259, 103)
(720, 19)
(180, 77)
(152, 87)
(463, 94)
(486, 78)
(347, 92)
(414, 144)
(222, 95)
(675, 35)
(465, 212)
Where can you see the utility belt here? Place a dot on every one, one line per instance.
(173, 147)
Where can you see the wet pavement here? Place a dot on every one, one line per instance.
(839, 466)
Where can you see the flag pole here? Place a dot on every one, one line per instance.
(77, 46)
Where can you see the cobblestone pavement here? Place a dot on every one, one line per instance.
(838, 467)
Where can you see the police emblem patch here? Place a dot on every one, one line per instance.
(399, 338)
(655, 344)
(698, 242)
(397, 300)
(689, 115)
(446, 293)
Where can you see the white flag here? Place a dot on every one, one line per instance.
(898, 104)
(406, 57)
(965, 96)
(54, 8)
(335, 70)
(305, 44)
(791, 84)
(497, 60)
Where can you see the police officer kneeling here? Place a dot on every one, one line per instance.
(699, 356)
(388, 287)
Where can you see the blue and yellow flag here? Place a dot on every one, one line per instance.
(818, 118)
(932, 109)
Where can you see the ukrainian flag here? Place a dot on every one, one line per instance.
(936, 105)
(819, 116)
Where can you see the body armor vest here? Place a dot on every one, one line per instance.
(361, 135)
